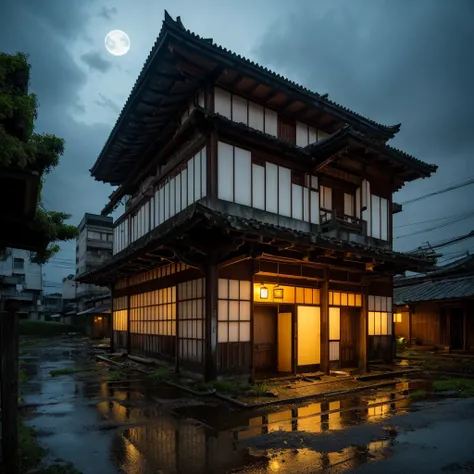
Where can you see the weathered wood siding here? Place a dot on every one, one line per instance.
(426, 324)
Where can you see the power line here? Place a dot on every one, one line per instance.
(436, 219)
(446, 224)
(444, 243)
(441, 191)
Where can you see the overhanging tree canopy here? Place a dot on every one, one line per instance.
(23, 150)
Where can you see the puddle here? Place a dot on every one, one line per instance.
(123, 429)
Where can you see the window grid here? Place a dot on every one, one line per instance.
(338, 298)
(119, 308)
(191, 311)
(334, 333)
(154, 312)
(234, 310)
(380, 315)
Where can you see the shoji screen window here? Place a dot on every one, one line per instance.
(380, 315)
(234, 311)
(334, 333)
(338, 298)
(191, 310)
(120, 314)
(154, 312)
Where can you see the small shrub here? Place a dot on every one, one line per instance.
(418, 395)
(160, 374)
(401, 344)
(258, 390)
(115, 375)
(64, 371)
(465, 387)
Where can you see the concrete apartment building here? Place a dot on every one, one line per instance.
(94, 246)
(22, 279)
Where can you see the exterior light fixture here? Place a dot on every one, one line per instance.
(263, 292)
(277, 293)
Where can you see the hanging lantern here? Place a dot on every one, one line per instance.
(263, 292)
(277, 293)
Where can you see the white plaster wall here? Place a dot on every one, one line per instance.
(268, 187)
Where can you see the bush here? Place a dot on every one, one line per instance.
(44, 328)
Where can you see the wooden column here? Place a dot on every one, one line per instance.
(464, 328)
(252, 346)
(112, 343)
(364, 330)
(212, 281)
(129, 342)
(9, 334)
(410, 313)
(325, 323)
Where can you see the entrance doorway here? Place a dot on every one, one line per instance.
(309, 337)
(273, 339)
(350, 334)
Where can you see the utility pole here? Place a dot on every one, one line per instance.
(9, 335)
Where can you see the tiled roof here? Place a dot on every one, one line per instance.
(187, 218)
(176, 28)
(455, 288)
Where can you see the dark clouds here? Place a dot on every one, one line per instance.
(95, 61)
(394, 61)
(108, 13)
(48, 29)
(108, 103)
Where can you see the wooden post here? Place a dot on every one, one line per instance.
(325, 323)
(464, 328)
(9, 335)
(111, 328)
(129, 342)
(364, 330)
(252, 304)
(212, 276)
(410, 312)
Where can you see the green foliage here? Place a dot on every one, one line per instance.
(64, 371)
(161, 374)
(418, 395)
(115, 375)
(20, 147)
(465, 387)
(44, 328)
(31, 453)
(401, 344)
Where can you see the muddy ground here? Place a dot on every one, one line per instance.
(107, 422)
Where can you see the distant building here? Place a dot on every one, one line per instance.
(437, 308)
(94, 246)
(22, 279)
(52, 306)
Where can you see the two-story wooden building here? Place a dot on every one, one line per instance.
(257, 235)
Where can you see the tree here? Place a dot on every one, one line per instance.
(22, 148)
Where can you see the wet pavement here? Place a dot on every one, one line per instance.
(106, 425)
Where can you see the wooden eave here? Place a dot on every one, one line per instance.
(199, 230)
(348, 142)
(178, 65)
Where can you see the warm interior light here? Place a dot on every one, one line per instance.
(277, 293)
(263, 292)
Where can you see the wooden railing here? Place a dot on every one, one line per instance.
(330, 219)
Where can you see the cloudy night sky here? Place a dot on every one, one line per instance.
(393, 61)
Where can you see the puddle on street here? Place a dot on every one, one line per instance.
(129, 432)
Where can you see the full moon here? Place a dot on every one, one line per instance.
(117, 42)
